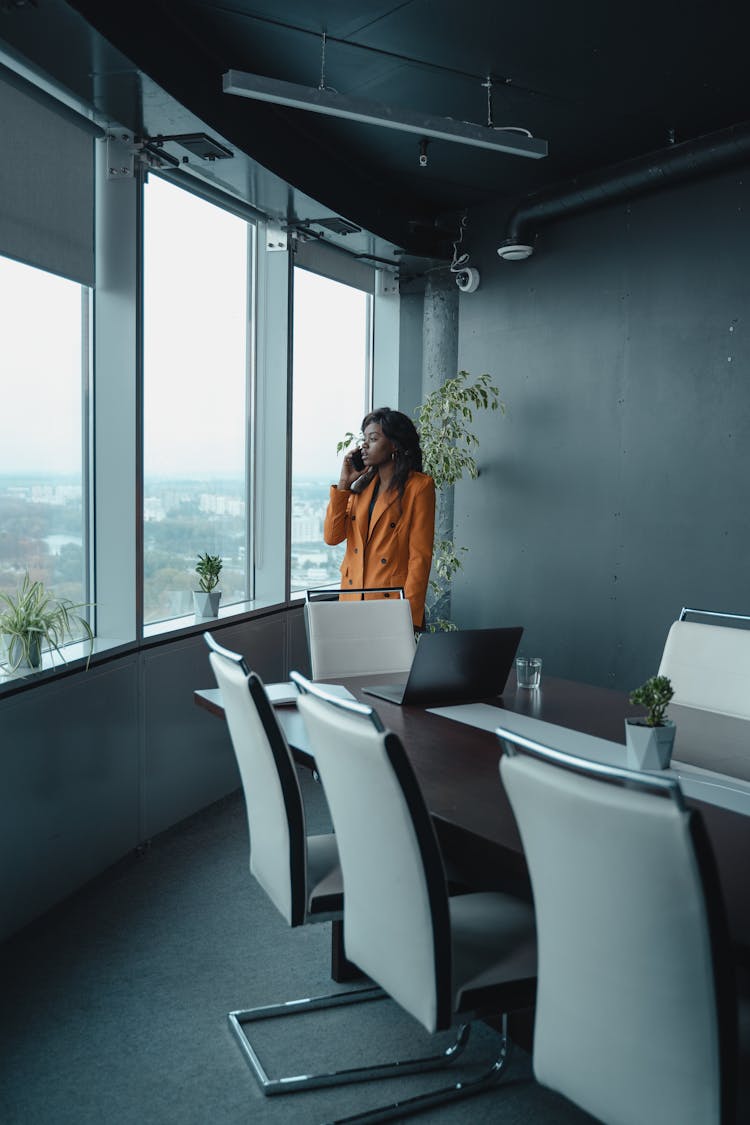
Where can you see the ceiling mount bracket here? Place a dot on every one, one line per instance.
(152, 151)
(120, 156)
(276, 239)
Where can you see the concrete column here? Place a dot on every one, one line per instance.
(439, 331)
(440, 362)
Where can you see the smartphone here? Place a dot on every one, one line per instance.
(357, 460)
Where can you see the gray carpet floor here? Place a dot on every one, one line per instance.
(114, 1005)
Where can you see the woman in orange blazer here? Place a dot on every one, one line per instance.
(386, 513)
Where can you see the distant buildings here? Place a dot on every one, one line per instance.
(41, 519)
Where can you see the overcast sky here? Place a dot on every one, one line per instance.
(40, 371)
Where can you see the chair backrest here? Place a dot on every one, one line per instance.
(358, 638)
(396, 919)
(709, 666)
(634, 1016)
(273, 800)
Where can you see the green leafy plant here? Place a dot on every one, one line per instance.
(654, 695)
(347, 440)
(208, 568)
(449, 444)
(444, 422)
(33, 619)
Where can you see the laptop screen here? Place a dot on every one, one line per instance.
(457, 667)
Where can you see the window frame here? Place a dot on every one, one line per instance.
(112, 393)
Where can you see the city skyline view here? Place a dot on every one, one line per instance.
(41, 530)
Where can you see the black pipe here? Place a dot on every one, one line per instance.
(651, 172)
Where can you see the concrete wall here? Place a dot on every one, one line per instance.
(614, 490)
(97, 762)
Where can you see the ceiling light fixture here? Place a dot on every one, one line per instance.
(327, 102)
(514, 251)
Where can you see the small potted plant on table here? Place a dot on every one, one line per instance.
(206, 599)
(33, 619)
(650, 740)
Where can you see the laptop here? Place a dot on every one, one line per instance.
(458, 667)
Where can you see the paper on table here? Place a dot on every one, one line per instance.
(284, 694)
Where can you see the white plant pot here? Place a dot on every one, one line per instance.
(13, 651)
(206, 605)
(649, 748)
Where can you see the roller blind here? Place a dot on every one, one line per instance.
(46, 183)
(324, 260)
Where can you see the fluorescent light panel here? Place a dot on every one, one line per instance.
(376, 113)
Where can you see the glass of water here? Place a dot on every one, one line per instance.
(528, 671)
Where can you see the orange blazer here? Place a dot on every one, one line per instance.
(396, 548)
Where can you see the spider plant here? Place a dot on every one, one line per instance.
(33, 618)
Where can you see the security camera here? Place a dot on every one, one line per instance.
(468, 280)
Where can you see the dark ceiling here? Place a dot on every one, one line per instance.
(600, 82)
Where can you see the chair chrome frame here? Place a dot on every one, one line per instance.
(668, 787)
(712, 613)
(235, 657)
(298, 1082)
(352, 706)
(323, 594)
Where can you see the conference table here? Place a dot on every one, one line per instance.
(455, 755)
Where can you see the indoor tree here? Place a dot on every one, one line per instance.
(449, 445)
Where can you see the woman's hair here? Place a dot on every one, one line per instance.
(399, 429)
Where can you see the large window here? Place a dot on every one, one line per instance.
(196, 330)
(332, 325)
(44, 345)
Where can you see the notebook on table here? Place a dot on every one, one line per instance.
(458, 667)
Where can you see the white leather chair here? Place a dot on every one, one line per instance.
(709, 665)
(636, 1009)
(444, 960)
(299, 873)
(358, 638)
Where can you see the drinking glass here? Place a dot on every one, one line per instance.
(528, 671)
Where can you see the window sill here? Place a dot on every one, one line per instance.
(191, 623)
(108, 648)
(53, 666)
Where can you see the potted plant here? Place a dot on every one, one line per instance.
(650, 740)
(206, 599)
(33, 619)
(445, 423)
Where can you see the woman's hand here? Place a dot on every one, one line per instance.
(349, 474)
